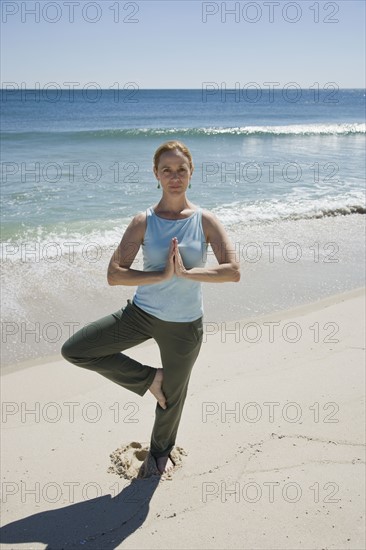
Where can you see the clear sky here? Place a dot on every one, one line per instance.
(181, 44)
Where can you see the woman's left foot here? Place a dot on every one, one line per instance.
(156, 390)
(164, 464)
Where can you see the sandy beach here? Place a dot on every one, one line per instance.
(271, 443)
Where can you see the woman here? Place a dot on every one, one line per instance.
(167, 304)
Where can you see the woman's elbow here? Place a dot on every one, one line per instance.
(235, 272)
(111, 279)
(117, 275)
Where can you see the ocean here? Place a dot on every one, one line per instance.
(284, 170)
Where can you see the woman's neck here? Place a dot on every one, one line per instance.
(173, 206)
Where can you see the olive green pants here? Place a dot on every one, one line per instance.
(98, 347)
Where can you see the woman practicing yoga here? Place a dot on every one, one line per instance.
(167, 304)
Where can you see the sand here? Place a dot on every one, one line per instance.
(270, 448)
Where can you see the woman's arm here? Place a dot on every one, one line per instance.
(119, 269)
(228, 269)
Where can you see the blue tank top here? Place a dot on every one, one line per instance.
(178, 299)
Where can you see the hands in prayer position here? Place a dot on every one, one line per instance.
(174, 264)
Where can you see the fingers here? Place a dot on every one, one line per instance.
(173, 246)
(179, 268)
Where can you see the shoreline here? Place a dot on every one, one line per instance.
(289, 264)
(286, 313)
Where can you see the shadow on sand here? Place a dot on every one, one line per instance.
(100, 523)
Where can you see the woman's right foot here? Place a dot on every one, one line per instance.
(156, 390)
(164, 464)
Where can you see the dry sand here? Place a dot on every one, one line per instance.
(270, 456)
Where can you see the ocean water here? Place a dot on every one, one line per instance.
(284, 172)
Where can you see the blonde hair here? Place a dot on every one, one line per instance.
(172, 146)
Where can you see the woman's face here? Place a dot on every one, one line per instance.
(173, 172)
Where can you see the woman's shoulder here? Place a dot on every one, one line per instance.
(137, 225)
(209, 217)
(209, 224)
(139, 218)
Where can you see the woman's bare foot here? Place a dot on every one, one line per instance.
(164, 464)
(156, 390)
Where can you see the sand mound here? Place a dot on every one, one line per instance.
(135, 461)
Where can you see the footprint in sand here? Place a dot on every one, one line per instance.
(135, 461)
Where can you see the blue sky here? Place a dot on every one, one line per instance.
(169, 45)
